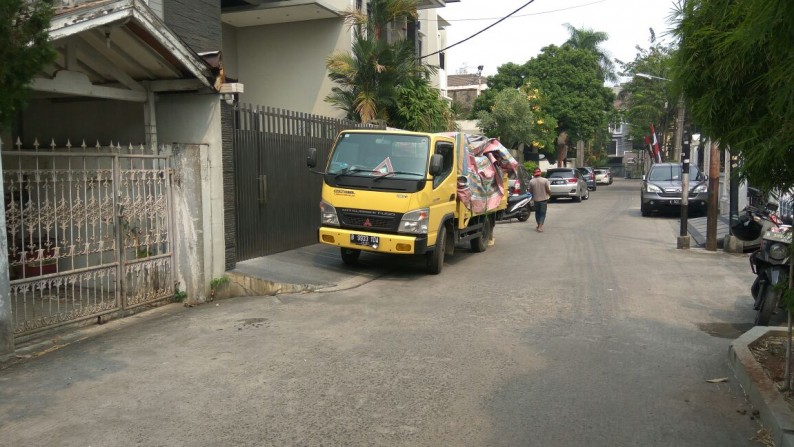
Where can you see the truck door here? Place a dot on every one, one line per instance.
(444, 192)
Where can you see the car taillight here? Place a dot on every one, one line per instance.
(571, 180)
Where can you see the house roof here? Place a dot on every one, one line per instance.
(462, 80)
(106, 48)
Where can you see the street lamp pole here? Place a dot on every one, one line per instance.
(479, 78)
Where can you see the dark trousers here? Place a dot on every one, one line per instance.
(540, 211)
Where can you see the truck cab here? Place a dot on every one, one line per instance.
(395, 192)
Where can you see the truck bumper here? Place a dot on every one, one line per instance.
(388, 243)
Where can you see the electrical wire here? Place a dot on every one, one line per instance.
(522, 15)
(481, 31)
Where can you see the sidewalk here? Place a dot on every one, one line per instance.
(313, 268)
(697, 228)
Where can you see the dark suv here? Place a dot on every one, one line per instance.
(588, 174)
(661, 189)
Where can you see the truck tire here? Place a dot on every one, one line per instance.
(480, 244)
(435, 258)
(767, 307)
(350, 255)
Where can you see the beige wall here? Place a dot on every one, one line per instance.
(284, 65)
(432, 41)
(193, 122)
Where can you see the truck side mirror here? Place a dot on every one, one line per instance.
(311, 158)
(436, 164)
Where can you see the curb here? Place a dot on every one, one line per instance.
(774, 411)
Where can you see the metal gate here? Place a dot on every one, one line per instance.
(276, 196)
(89, 232)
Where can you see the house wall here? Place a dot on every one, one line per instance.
(6, 319)
(192, 125)
(104, 121)
(464, 99)
(229, 53)
(197, 22)
(283, 65)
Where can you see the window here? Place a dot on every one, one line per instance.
(446, 150)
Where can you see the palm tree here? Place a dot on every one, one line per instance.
(590, 40)
(367, 78)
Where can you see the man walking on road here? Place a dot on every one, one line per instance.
(541, 191)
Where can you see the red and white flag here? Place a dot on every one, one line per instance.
(649, 148)
(656, 153)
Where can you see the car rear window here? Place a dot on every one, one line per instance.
(560, 174)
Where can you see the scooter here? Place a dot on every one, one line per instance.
(518, 206)
(770, 263)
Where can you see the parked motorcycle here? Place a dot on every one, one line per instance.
(518, 206)
(770, 262)
(519, 203)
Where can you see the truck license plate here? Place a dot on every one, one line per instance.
(363, 239)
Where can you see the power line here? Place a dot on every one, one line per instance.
(481, 31)
(522, 15)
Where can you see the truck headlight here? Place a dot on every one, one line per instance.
(778, 251)
(652, 188)
(701, 188)
(415, 222)
(328, 214)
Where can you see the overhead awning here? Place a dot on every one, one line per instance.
(108, 49)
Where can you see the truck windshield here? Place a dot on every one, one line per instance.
(376, 154)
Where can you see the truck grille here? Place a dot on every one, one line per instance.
(369, 220)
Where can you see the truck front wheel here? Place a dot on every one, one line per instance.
(435, 258)
(350, 256)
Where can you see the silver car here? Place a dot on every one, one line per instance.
(661, 189)
(569, 183)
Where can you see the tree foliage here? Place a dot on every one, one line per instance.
(420, 108)
(509, 75)
(571, 81)
(510, 120)
(382, 79)
(648, 101)
(734, 67)
(24, 50)
(590, 40)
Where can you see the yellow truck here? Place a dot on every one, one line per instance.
(409, 193)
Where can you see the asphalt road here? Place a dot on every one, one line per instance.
(597, 332)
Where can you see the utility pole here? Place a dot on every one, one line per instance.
(713, 202)
(683, 237)
(679, 130)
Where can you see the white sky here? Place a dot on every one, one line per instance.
(539, 24)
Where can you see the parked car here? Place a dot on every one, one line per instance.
(603, 176)
(661, 189)
(588, 174)
(567, 182)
